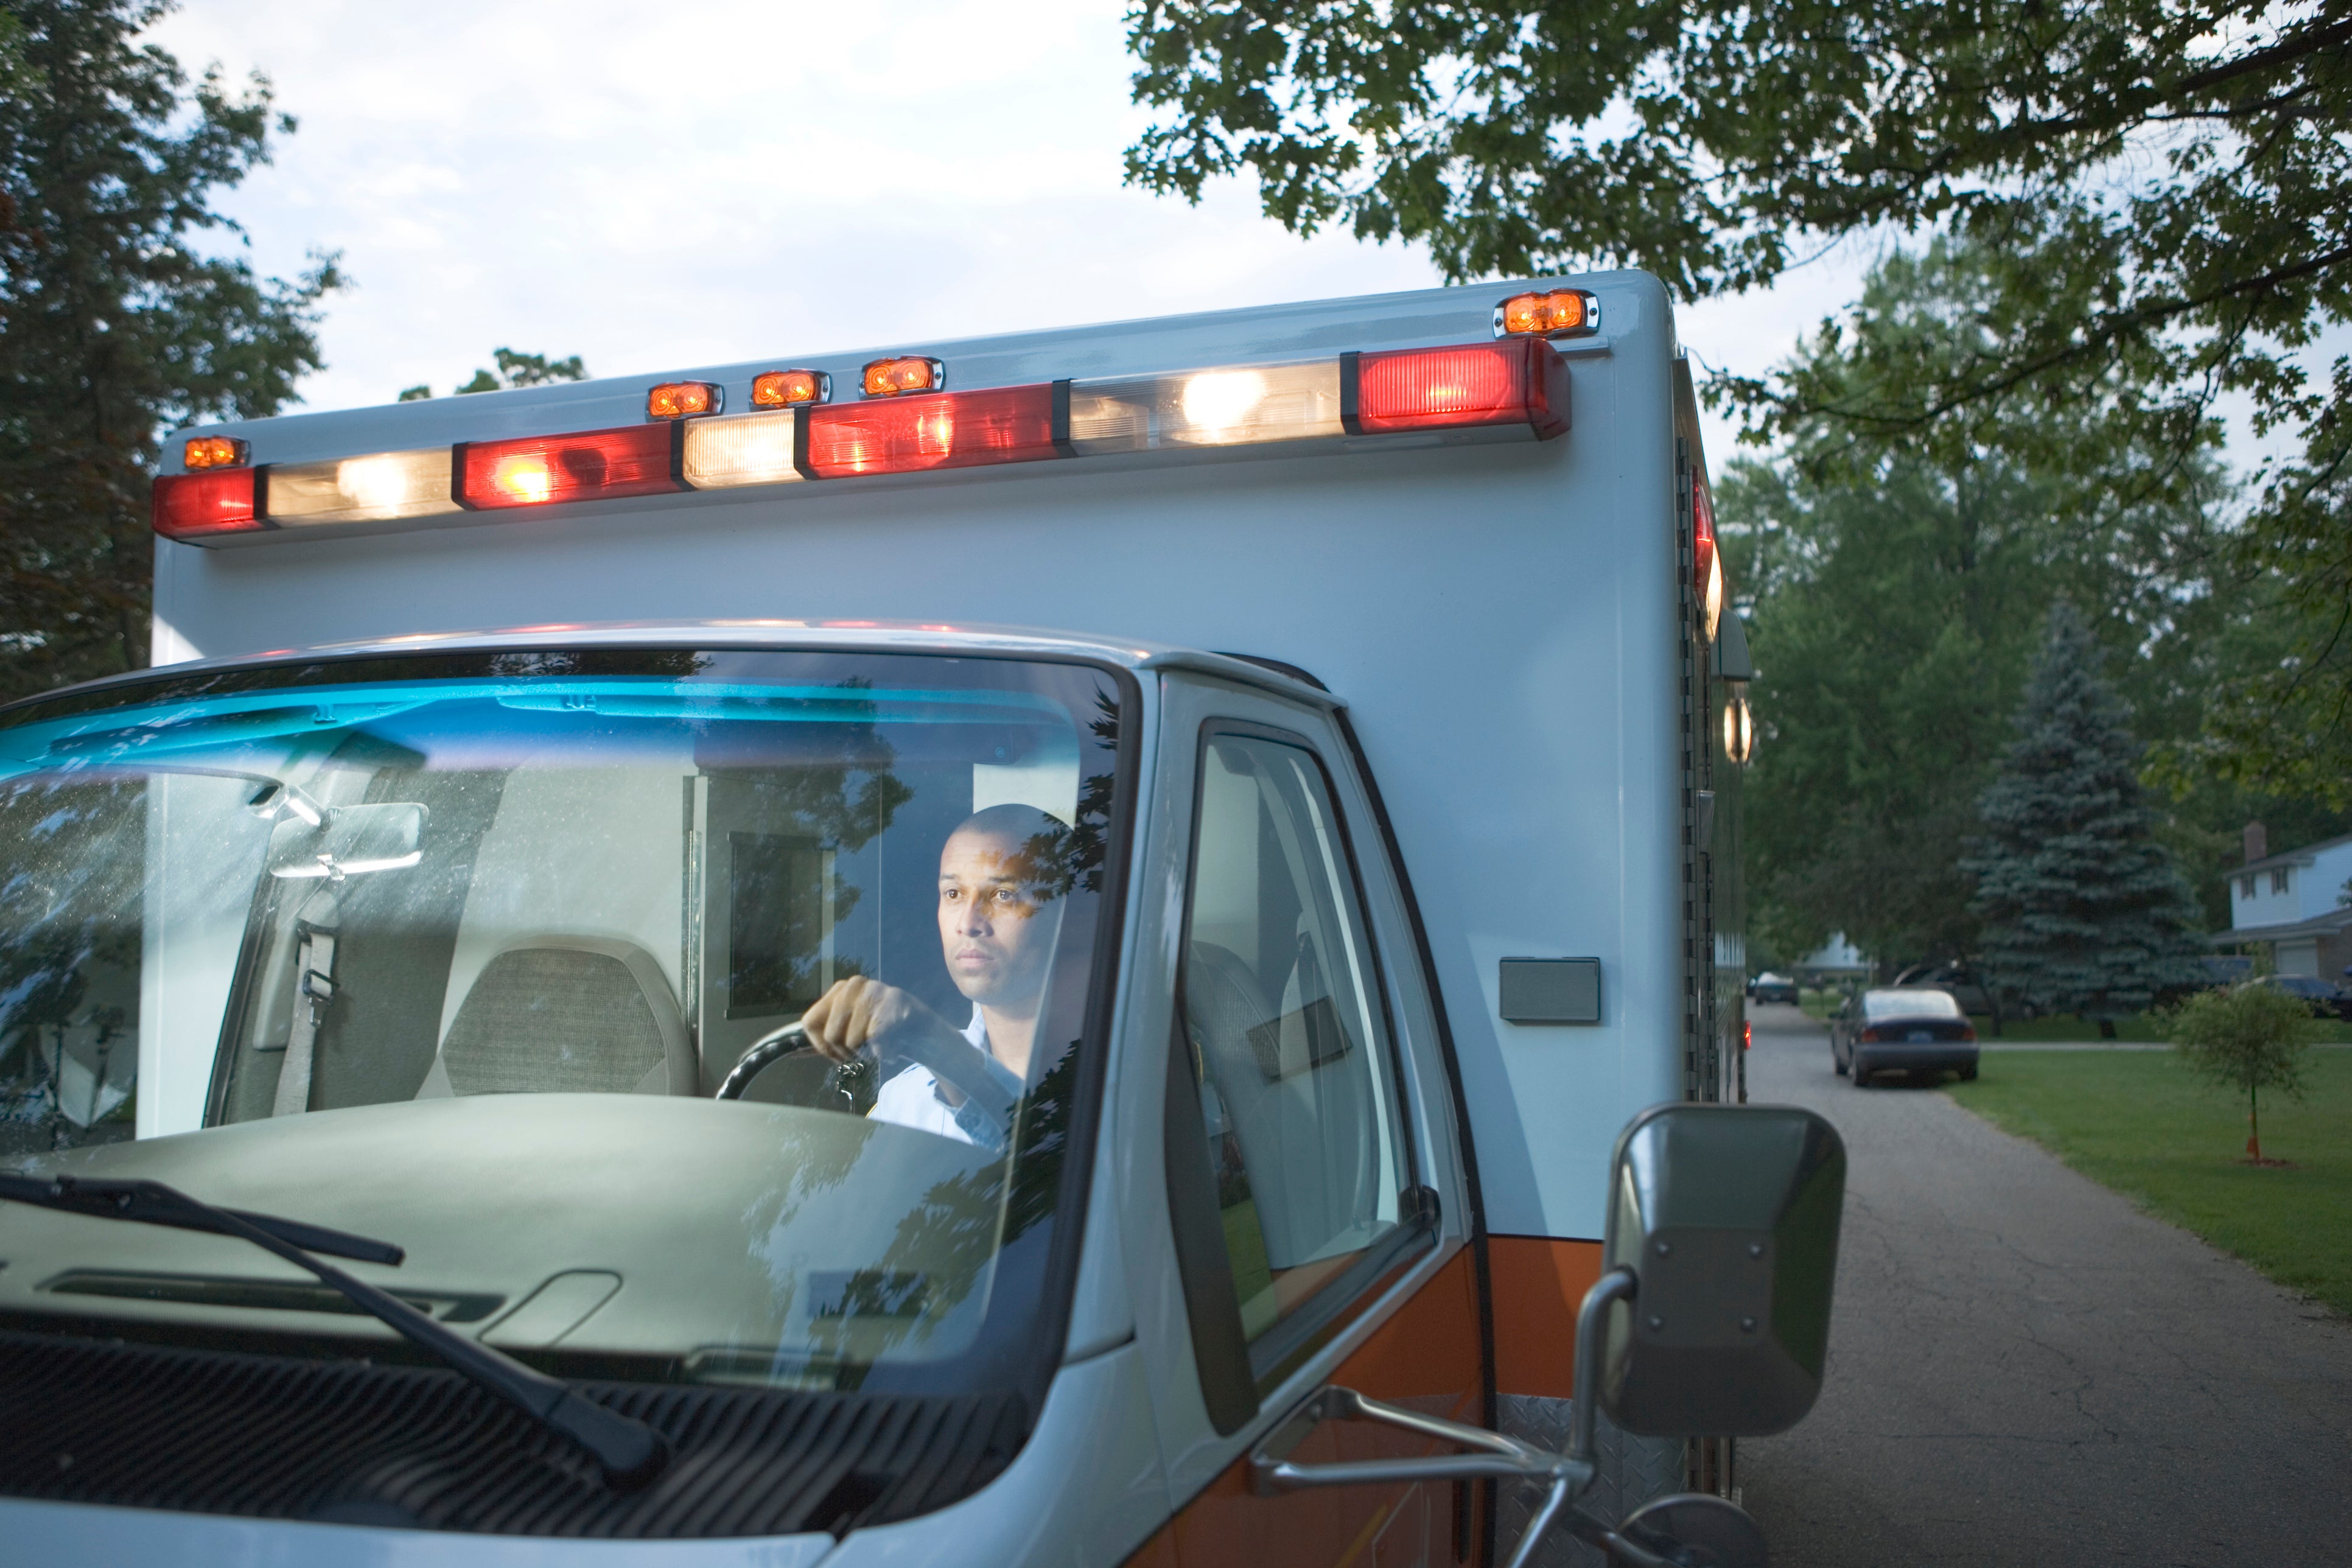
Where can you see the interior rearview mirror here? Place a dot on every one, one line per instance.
(350, 841)
(1726, 1217)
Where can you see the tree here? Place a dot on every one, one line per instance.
(2249, 1037)
(114, 323)
(1897, 591)
(2082, 909)
(2162, 184)
(514, 369)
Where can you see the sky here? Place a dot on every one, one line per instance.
(649, 187)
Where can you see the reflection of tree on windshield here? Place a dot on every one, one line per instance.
(1063, 860)
(68, 962)
(833, 790)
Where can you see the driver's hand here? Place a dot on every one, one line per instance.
(855, 1013)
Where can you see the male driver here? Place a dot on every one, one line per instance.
(998, 920)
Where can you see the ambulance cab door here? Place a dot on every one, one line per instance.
(1315, 1192)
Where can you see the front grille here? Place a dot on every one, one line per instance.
(277, 1437)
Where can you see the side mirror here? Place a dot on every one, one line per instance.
(1726, 1217)
(351, 840)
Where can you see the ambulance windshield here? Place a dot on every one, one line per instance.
(460, 951)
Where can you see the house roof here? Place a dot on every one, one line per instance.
(2303, 856)
(2328, 925)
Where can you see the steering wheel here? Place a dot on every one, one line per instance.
(792, 1040)
(963, 1066)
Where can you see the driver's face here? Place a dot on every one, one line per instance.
(994, 945)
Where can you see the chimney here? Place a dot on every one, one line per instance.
(2258, 842)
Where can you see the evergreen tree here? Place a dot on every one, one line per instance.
(119, 319)
(2082, 909)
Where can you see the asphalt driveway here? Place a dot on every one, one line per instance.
(2025, 1368)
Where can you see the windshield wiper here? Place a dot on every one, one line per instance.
(629, 1452)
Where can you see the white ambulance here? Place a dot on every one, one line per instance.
(1110, 945)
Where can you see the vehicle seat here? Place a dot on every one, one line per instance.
(556, 1014)
(1286, 1079)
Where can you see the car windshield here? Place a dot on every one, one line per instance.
(1921, 1003)
(456, 950)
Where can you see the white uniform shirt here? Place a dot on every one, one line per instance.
(911, 1097)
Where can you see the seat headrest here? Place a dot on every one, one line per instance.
(559, 1015)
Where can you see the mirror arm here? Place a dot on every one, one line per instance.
(1591, 1331)
(1496, 1457)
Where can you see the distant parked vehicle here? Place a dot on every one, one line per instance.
(2326, 1001)
(1909, 1029)
(1966, 989)
(1770, 987)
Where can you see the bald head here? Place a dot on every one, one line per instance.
(997, 879)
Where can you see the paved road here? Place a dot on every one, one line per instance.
(2024, 1369)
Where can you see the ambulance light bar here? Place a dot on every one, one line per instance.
(1511, 382)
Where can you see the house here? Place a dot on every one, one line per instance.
(1835, 960)
(2296, 904)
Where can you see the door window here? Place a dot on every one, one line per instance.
(1281, 1009)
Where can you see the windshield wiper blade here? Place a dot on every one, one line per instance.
(629, 1452)
(153, 1202)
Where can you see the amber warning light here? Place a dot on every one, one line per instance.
(905, 373)
(1563, 312)
(784, 388)
(681, 400)
(213, 452)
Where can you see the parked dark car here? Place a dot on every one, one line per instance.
(2326, 1001)
(1913, 1029)
(1770, 987)
(1962, 982)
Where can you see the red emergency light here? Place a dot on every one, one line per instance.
(1515, 381)
(594, 465)
(209, 502)
(912, 434)
(1707, 564)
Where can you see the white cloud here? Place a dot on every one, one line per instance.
(726, 181)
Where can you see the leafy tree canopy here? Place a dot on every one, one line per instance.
(1898, 589)
(514, 369)
(115, 322)
(2161, 192)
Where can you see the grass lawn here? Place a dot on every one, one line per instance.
(2140, 1123)
(2065, 1029)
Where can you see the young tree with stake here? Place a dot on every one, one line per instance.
(2249, 1037)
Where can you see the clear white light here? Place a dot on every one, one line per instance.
(1218, 400)
(380, 487)
(1207, 408)
(740, 449)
